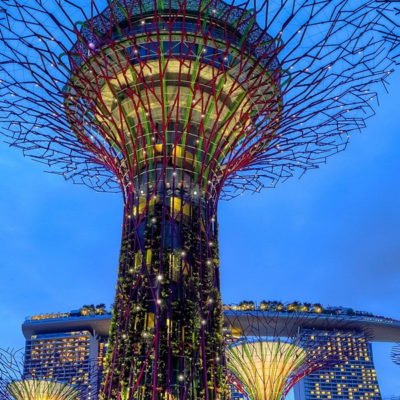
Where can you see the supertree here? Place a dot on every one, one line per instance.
(14, 385)
(395, 354)
(268, 353)
(177, 104)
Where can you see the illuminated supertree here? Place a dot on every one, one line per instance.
(14, 386)
(177, 104)
(267, 353)
(395, 354)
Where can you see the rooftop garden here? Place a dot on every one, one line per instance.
(296, 306)
(245, 305)
(85, 310)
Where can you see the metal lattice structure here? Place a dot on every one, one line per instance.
(395, 354)
(177, 104)
(13, 385)
(326, 82)
(391, 29)
(267, 355)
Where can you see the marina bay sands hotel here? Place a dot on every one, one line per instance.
(70, 347)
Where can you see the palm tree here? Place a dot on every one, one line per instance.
(294, 306)
(317, 308)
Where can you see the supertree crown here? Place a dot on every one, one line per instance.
(228, 99)
(38, 390)
(176, 91)
(15, 386)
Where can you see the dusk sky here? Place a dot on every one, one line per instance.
(330, 237)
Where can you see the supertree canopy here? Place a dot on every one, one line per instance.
(177, 104)
(264, 365)
(13, 385)
(42, 390)
(267, 354)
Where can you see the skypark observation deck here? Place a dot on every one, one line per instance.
(379, 329)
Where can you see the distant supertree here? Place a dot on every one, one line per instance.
(42, 389)
(267, 354)
(176, 104)
(395, 354)
(14, 386)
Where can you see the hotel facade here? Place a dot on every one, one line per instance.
(70, 348)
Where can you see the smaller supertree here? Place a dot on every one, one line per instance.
(395, 355)
(267, 353)
(263, 365)
(14, 386)
(41, 390)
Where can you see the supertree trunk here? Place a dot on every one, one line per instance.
(166, 337)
